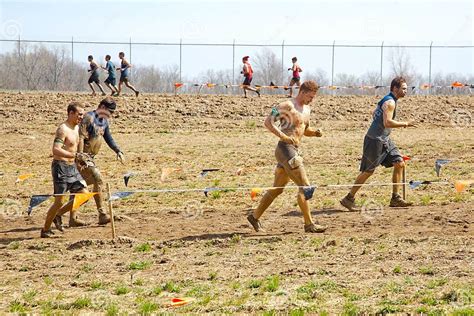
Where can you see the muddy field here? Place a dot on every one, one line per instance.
(175, 245)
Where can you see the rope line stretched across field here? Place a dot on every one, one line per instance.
(308, 191)
(454, 85)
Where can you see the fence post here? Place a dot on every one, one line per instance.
(332, 67)
(72, 61)
(283, 63)
(381, 64)
(429, 71)
(180, 57)
(233, 62)
(130, 49)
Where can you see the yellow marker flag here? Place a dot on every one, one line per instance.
(460, 185)
(23, 177)
(255, 192)
(81, 198)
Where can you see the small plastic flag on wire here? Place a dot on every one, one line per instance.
(127, 176)
(81, 198)
(255, 192)
(176, 302)
(415, 184)
(36, 200)
(210, 85)
(457, 84)
(440, 163)
(178, 85)
(207, 190)
(120, 195)
(460, 185)
(406, 158)
(204, 172)
(308, 192)
(23, 177)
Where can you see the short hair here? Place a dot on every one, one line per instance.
(107, 57)
(294, 58)
(90, 57)
(397, 82)
(245, 58)
(74, 106)
(309, 86)
(109, 104)
(122, 53)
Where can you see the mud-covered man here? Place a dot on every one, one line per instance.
(293, 116)
(93, 128)
(66, 177)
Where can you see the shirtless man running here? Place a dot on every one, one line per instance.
(294, 123)
(66, 177)
(94, 77)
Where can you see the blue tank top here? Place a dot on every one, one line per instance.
(377, 130)
(124, 70)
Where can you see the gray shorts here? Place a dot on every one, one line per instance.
(287, 156)
(378, 152)
(66, 177)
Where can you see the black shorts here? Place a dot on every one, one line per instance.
(296, 79)
(94, 79)
(111, 80)
(66, 178)
(123, 78)
(378, 152)
(247, 81)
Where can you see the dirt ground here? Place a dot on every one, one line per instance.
(174, 245)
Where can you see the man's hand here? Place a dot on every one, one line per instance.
(290, 140)
(412, 124)
(83, 160)
(121, 157)
(318, 133)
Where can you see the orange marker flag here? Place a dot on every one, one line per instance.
(255, 192)
(460, 185)
(180, 301)
(457, 84)
(178, 85)
(81, 198)
(23, 177)
(406, 158)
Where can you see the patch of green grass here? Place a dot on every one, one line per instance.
(17, 307)
(147, 308)
(48, 280)
(96, 285)
(316, 242)
(29, 296)
(388, 309)
(121, 290)
(350, 309)
(139, 265)
(255, 284)
(14, 245)
(467, 311)
(112, 310)
(393, 287)
(235, 239)
(87, 268)
(426, 200)
(139, 282)
(198, 290)
(171, 287)
(296, 312)
(23, 269)
(81, 302)
(145, 247)
(426, 270)
(436, 283)
(216, 194)
(212, 276)
(272, 283)
(157, 290)
(397, 269)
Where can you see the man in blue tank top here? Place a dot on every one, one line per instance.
(124, 75)
(379, 149)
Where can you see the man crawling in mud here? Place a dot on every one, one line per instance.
(293, 116)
